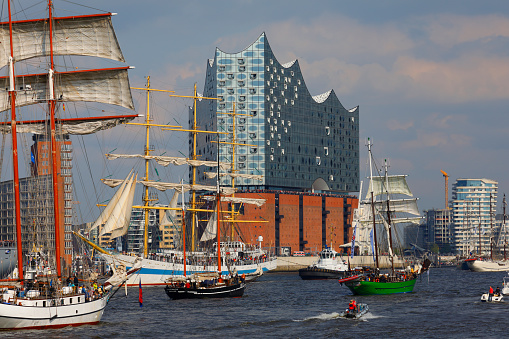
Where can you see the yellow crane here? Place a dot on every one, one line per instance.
(446, 176)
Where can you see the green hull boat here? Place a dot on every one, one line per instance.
(371, 287)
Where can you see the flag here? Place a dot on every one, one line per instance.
(353, 241)
(140, 298)
(32, 157)
(63, 106)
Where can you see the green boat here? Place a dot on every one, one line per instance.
(388, 202)
(359, 287)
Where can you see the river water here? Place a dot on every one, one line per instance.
(283, 305)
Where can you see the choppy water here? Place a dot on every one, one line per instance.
(283, 305)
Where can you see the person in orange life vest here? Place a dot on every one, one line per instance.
(352, 305)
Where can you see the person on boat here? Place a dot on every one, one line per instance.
(352, 306)
(490, 293)
(497, 292)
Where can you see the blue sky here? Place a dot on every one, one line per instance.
(431, 78)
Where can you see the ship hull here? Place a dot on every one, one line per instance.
(222, 291)
(314, 273)
(16, 317)
(375, 288)
(156, 273)
(488, 266)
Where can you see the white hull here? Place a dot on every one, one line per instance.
(154, 272)
(486, 298)
(29, 316)
(488, 266)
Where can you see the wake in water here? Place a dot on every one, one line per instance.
(335, 315)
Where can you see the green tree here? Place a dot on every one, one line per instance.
(434, 248)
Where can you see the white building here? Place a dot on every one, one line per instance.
(474, 204)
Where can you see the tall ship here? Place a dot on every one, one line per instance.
(380, 212)
(37, 297)
(157, 267)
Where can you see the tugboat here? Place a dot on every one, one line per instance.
(327, 267)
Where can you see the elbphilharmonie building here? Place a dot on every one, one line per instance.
(295, 140)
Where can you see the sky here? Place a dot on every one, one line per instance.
(431, 78)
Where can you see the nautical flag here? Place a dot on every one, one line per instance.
(140, 298)
(63, 106)
(353, 241)
(32, 157)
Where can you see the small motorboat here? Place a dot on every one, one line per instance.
(356, 313)
(494, 298)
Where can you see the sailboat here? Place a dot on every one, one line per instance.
(39, 299)
(156, 268)
(207, 285)
(382, 212)
(489, 264)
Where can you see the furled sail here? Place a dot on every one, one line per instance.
(252, 201)
(118, 219)
(212, 175)
(169, 215)
(163, 186)
(89, 35)
(105, 214)
(75, 126)
(397, 185)
(165, 160)
(211, 229)
(108, 86)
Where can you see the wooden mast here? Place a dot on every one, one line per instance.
(17, 204)
(54, 155)
(389, 217)
(146, 198)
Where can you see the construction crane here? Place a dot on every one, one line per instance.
(446, 176)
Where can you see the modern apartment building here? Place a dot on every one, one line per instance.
(474, 204)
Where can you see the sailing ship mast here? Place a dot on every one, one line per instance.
(373, 204)
(17, 204)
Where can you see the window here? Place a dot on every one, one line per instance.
(221, 98)
(242, 106)
(230, 76)
(252, 91)
(253, 150)
(231, 91)
(327, 130)
(272, 150)
(326, 150)
(318, 161)
(241, 61)
(222, 68)
(254, 113)
(252, 135)
(241, 83)
(242, 98)
(242, 68)
(222, 83)
(252, 76)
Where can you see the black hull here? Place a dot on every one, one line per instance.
(231, 291)
(313, 273)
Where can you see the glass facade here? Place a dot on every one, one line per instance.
(295, 141)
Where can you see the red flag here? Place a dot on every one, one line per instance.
(140, 298)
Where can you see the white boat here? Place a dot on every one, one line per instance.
(505, 286)
(487, 265)
(356, 313)
(327, 267)
(494, 298)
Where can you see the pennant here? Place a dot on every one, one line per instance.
(140, 297)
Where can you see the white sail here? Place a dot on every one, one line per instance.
(251, 201)
(166, 160)
(399, 206)
(79, 35)
(120, 231)
(163, 186)
(105, 214)
(212, 175)
(68, 126)
(211, 229)
(396, 185)
(168, 218)
(117, 218)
